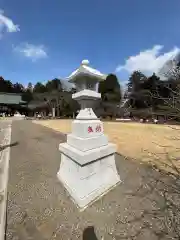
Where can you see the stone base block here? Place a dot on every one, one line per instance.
(88, 183)
(85, 144)
(80, 128)
(86, 157)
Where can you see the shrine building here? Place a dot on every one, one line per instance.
(11, 103)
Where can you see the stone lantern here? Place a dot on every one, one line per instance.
(87, 168)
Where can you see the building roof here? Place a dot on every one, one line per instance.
(84, 69)
(11, 98)
(34, 104)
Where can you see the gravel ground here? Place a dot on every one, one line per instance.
(144, 206)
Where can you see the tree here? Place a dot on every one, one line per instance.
(30, 87)
(39, 88)
(135, 81)
(110, 89)
(1, 78)
(54, 84)
(18, 88)
(151, 83)
(135, 93)
(111, 96)
(154, 94)
(148, 88)
(28, 93)
(171, 70)
(5, 85)
(27, 96)
(8, 86)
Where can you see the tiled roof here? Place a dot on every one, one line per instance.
(7, 98)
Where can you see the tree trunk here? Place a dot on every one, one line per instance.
(58, 111)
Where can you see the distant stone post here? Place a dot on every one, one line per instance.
(53, 112)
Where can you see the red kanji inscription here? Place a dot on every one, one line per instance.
(98, 128)
(90, 129)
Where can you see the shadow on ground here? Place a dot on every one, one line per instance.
(8, 145)
(89, 234)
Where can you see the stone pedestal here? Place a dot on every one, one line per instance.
(87, 168)
(88, 183)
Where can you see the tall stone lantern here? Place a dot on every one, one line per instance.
(87, 169)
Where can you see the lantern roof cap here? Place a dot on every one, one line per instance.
(85, 69)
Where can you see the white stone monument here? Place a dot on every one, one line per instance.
(18, 116)
(87, 168)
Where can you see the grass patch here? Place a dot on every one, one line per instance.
(150, 143)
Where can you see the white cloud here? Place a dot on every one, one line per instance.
(7, 24)
(33, 52)
(148, 61)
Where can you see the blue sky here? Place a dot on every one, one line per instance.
(42, 39)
